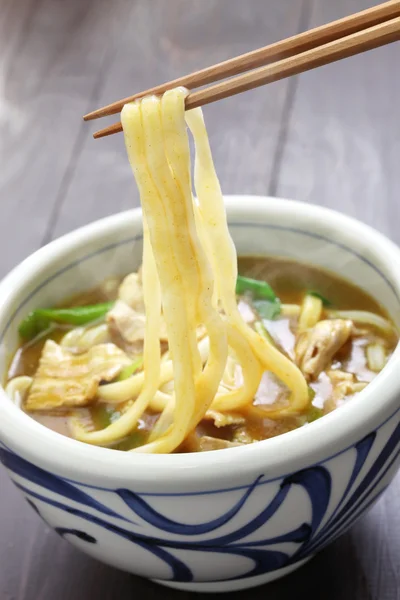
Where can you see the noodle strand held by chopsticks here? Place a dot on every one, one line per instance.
(190, 268)
(197, 290)
(224, 260)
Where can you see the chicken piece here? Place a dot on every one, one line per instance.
(190, 443)
(126, 321)
(109, 288)
(207, 443)
(130, 324)
(316, 347)
(131, 292)
(64, 379)
(343, 384)
(224, 419)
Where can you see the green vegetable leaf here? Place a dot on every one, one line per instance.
(261, 330)
(314, 413)
(311, 393)
(133, 440)
(260, 290)
(103, 415)
(324, 300)
(32, 325)
(130, 369)
(41, 319)
(266, 309)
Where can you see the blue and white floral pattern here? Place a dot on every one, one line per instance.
(257, 528)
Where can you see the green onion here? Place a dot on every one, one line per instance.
(41, 319)
(133, 440)
(261, 330)
(265, 301)
(266, 309)
(33, 325)
(314, 413)
(324, 300)
(130, 369)
(259, 289)
(103, 415)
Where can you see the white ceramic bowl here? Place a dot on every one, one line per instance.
(220, 520)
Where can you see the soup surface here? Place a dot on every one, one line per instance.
(337, 335)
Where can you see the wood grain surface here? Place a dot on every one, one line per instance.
(331, 137)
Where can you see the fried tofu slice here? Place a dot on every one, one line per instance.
(67, 380)
(224, 419)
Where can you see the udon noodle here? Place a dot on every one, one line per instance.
(189, 273)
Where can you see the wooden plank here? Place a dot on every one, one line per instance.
(342, 150)
(50, 67)
(50, 70)
(178, 41)
(376, 541)
(14, 24)
(342, 145)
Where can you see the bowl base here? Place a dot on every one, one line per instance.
(232, 586)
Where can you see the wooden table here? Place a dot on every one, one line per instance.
(330, 137)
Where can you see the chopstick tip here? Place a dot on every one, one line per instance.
(115, 128)
(106, 111)
(92, 115)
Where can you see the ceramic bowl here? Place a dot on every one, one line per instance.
(223, 520)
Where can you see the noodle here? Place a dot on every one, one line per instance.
(151, 373)
(190, 269)
(16, 388)
(224, 262)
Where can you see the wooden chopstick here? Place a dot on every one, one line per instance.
(368, 39)
(263, 56)
(361, 41)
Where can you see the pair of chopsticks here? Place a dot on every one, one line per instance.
(371, 28)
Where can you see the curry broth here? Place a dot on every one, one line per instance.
(289, 279)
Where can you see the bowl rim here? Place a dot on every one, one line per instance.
(280, 455)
